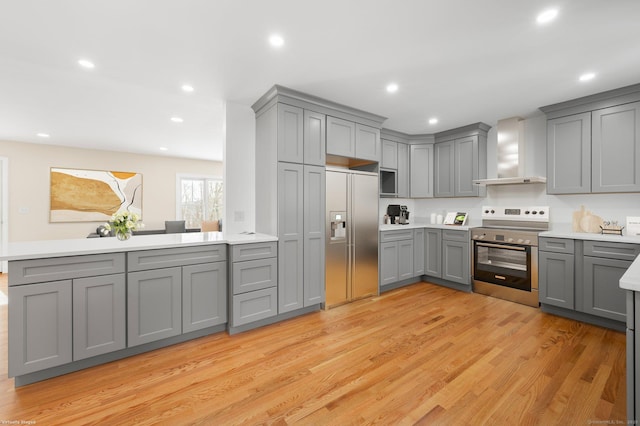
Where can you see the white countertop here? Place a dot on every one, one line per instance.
(82, 246)
(423, 225)
(631, 279)
(566, 232)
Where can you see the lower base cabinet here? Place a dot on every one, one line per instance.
(204, 296)
(396, 256)
(602, 294)
(448, 255)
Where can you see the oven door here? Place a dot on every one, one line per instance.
(508, 265)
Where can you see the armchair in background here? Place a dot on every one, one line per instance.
(174, 226)
(210, 226)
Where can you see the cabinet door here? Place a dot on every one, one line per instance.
(368, 145)
(466, 166)
(402, 175)
(405, 259)
(615, 147)
(290, 133)
(421, 171)
(388, 263)
(290, 237)
(154, 305)
(418, 252)
(556, 283)
(314, 138)
(444, 160)
(39, 326)
(99, 315)
(204, 296)
(314, 234)
(433, 252)
(569, 154)
(602, 293)
(341, 137)
(389, 155)
(455, 262)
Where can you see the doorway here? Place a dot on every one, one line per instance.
(4, 208)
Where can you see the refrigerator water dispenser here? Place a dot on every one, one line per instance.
(338, 225)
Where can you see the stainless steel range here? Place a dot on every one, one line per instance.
(505, 252)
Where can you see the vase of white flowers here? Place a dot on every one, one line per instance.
(123, 224)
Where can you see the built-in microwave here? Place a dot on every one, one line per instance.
(388, 186)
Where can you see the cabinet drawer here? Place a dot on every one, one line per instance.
(61, 268)
(556, 245)
(179, 256)
(449, 235)
(242, 252)
(387, 236)
(620, 251)
(254, 306)
(255, 275)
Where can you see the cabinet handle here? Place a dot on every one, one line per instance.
(500, 277)
(505, 247)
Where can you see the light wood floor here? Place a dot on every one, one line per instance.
(419, 355)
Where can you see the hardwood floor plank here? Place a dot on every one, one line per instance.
(422, 354)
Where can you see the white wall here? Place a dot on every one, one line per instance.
(239, 169)
(29, 174)
(608, 206)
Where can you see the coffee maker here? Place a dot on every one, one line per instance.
(393, 211)
(404, 216)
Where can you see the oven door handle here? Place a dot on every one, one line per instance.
(501, 246)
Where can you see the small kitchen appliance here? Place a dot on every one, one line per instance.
(404, 216)
(505, 252)
(393, 211)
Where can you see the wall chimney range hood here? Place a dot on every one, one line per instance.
(510, 150)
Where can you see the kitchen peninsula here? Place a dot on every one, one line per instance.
(82, 302)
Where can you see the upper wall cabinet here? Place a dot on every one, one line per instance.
(593, 143)
(460, 158)
(353, 140)
(290, 134)
(314, 138)
(402, 176)
(421, 171)
(389, 155)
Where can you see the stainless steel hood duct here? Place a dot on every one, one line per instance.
(510, 150)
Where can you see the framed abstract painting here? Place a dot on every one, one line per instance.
(93, 195)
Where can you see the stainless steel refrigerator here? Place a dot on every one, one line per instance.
(352, 236)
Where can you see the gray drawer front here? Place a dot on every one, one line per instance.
(255, 275)
(254, 306)
(556, 245)
(450, 235)
(387, 236)
(62, 268)
(180, 256)
(620, 251)
(242, 252)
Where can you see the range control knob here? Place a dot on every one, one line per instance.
(527, 212)
(534, 212)
(541, 212)
(486, 211)
(493, 211)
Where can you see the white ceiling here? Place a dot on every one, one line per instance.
(461, 61)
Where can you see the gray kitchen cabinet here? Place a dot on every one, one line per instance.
(444, 159)
(204, 296)
(314, 138)
(99, 315)
(602, 294)
(290, 237)
(433, 252)
(388, 263)
(456, 261)
(405, 259)
(418, 252)
(290, 133)
(39, 326)
(421, 171)
(389, 155)
(556, 278)
(368, 146)
(615, 144)
(402, 174)
(254, 283)
(154, 305)
(341, 137)
(314, 235)
(569, 154)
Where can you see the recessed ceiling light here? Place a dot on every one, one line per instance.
(587, 76)
(433, 120)
(164, 148)
(177, 119)
(547, 16)
(276, 40)
(85, 63)
(187, 88)
(43, 135)
(392, 88)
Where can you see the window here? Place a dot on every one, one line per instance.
(199, 198)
